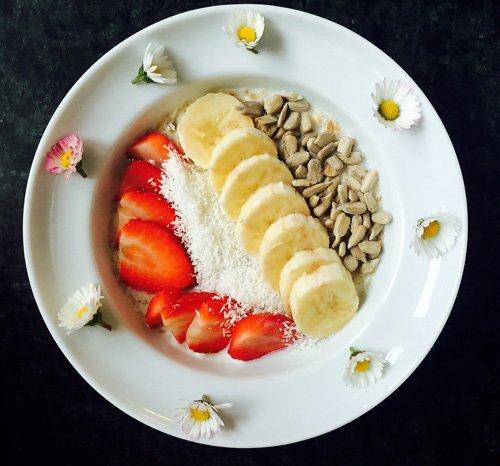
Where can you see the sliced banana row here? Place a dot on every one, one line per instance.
(272, 219)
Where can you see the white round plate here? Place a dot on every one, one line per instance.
(290, 395)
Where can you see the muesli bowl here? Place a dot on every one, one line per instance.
(102, 217)
(65, 229)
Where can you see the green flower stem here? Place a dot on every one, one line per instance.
(253, 50)
(80, 170)
(98, 320)
(141, 77)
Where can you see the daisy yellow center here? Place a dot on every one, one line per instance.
(81, 311)
(431, 230)
(389, 110)
(200, 415)
(247, 34)
(362, 366)
(65, 159)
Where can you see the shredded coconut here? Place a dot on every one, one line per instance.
(221, 264)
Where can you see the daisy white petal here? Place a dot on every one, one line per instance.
(246, 28)
(363, 368)
(200, 419)
(435, 235)
(396, 105)
(156, 66)
(80, 308)
(65, 156)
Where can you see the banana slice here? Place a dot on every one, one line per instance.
(248, 176)
(264, 207)
(238, 145)
(301, 263)
(323, 301)
(286, 236)
(206, 121)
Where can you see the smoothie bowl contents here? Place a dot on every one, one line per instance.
(246, 222)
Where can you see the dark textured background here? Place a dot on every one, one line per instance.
(444, 414)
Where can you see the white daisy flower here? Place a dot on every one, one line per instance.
(245, 29)
(435, 235)
(363, 368)
(156, 66)
(200, 419)
(81, 309)
(397, 106)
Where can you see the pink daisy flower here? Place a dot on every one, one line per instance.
(66, 156)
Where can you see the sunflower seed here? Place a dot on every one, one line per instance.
(313, 201)
(370, 202)
(345, 146)
(293, 121)
(357, 234)
(315, 189)
(251, 108)
(266, 119)
(341, 225)
(369, 181)
(270, 130)
(282, 116)
(342, 249)
(358, 171)
(291, 143)
(343, 193)
(279, 134)
(326, 150)
(325, 138)
(299, 106)
(273, 104)
(334, 212)
(370, 247)
(314, 171)
(356, 220)
(370, 266)
(307, 137)
(375, 231)
(301, 172)
(324, 205)
(382, 217)
(312, 146)
(352, 182)
(305, 123)
(298, 158)
(329, 171)
(353, 195)
(358, 253)
(303, 183)
(353, 207)
(350, 263)
(334, 162)
(367, 223)
(354, 158)
(291, 96)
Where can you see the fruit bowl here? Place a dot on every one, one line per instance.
(66, 229)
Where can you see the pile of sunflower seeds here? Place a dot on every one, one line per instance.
(327, 171)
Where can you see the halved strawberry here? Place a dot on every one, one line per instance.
(209, 331)
(153, 148)
(177, 315)
(144, 205)
(256, 335)
(158, 302)
(142, 175)
(151, 258)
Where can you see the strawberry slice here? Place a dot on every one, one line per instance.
(144, 205)
(256, 335)
(178, 314)
(151, 258)
(153, 148)
(210, 330)
(158, 302)
(142, 175)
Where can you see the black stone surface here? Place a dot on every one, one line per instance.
(446, 413)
